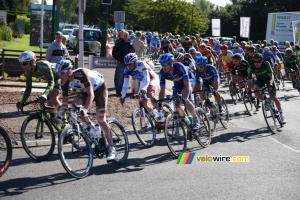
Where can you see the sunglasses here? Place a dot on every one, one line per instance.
(129, 64)
(164, 64)
(200, 66)
(24, 64)
(62, 72)
(257, 61)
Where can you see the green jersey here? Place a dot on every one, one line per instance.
(291, 62)
(260, 73)
(45, 72)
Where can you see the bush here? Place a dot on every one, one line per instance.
(21, 26)
(5, 32)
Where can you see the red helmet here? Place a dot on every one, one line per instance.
(224, 47)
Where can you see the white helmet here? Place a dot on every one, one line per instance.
(27, 56)
(63, 65)
(154, 35)
(217, 42)
(235, 45)
(198, 54)
(266, 49)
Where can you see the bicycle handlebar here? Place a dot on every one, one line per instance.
(32, 102)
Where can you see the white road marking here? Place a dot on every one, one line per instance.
(286, 146)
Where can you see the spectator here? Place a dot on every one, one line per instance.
(57, 51)
(64, 40)
(287, 45)
(297, 49)
(234, 39)
(121, 49)
(139, 45)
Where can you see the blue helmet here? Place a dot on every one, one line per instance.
(63, 65)
(201, 61)
(229, 43)
(130, 58)
(166, 58)
(273, 47)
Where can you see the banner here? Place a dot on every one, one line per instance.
(245, 27)
(216, 27)
(296, 31)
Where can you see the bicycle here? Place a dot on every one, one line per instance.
(212, 111)
(76, 155)
(144, 124)
(235, 93)
(175, 135)
(278, 76)
(5, 151)
(271, 114)
(37, 134)
(297, 82)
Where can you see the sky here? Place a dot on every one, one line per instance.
(216, 2)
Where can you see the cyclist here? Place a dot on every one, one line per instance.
(237, 49)
(210, 76)
(225, 60)
(166, 46)
(192, 52)
(179, 74)
(187, 44)
(41, 70)
(239, 70)
(217, 47)
(142, 72)
(264, 75)
(154, 45)
(269, 56)
(291, 62)
(149, 38)
(91, 87)
(249, 55)
(186, 60)
(194, 42)
(276, 52)
(207, 53)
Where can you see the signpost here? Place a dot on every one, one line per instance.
(216, 27)
(101, 62)
(119, 19)
(245, 27)
(105, 4)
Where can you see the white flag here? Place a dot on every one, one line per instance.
(216, 27)
(245, 27)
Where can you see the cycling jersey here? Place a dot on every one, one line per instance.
(149, 38)
(240, 51)
(208, 76)
(241, 70)
(217, 49)
(262, 74)
(186, 45)
(207, 53)
(291, 62)
(43, 71)
(227, 60)
(155, 43)
(83, 78)
(269, 57)
(166, 46)
(142, 73)
(179, 75)
(249, 59)
(277, 53)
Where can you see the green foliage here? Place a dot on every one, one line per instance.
(69, 11)
(5, 76)
(5, 32)
(21, 26)
(21, 5)
(165, 16)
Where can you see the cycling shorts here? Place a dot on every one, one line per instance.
(262, 83)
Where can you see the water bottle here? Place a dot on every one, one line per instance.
(191, 121)
(98, 131)
(216, 107)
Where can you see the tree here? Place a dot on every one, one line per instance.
(68, 11)
(21, 5)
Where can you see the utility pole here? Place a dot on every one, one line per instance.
(192, 18)
(105, 4)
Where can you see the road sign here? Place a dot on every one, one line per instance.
(119, 16)
(106, 2)
(102, 62)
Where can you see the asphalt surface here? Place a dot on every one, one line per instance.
(152, 173)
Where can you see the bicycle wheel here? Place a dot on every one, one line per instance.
(143, 128)
(233, 92)
(120, 141)
(5, 151)
(175, 135)
(269, 116)
(203, 135)
(76, 155)
(37, 137)
(224, 119)
(281, 79)
(247, 100)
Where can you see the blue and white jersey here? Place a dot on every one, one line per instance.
(209, 74)
(217, 49)
(270, 57)
(179, 75)
(149, 38)
(142, 73)
(155, 43)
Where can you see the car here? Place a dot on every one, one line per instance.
(89, 35)
(72, 37)
(68, 26)
(282, 46)
(66, 33)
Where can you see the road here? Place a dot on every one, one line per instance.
(272, 172)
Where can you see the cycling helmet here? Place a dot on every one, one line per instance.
(130, 58)
(288, 50)
(180, 49)
(201, 61)
(187, 38)
(217, 42)
(273, 48)
(165, 38)
(251, 48)
(257, 56)
(154, 35)
(236, 45)
(229, 43)
(266, 49)
(166, 58)
(209, 48)
(224, 47)
(63, 65)
(192, 37)
(198, 54)
(192, 50)
(27, 56)
(178, 55)
(237, 56)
